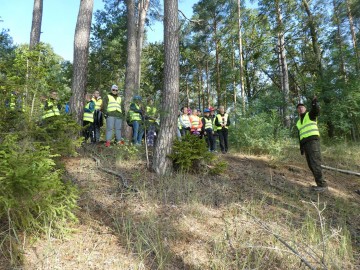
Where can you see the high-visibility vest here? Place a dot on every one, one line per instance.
(135, 116)
(114, 104)
(307, 128)
(195, 123)
(88, 116)
(98, 103)
(222, 119)
(151, 111)
(51, 112)
(208, 123)
(185, 120)
(179, 123)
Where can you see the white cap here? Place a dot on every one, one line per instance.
(114, 87)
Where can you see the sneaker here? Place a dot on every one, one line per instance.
(121, 142)
(319, 189)
(107, 144)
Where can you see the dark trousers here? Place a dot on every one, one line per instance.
(89, 131)
(210, 140)
(223, 138)
(184, 131)
(313, 158)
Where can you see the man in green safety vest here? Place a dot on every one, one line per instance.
(136, 119)
(51, 107)
(113, 115)
(88, 119)
(309, 137)
(222, 123)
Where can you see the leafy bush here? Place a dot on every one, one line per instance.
(33, 198)
(190, 154)
(260, 134)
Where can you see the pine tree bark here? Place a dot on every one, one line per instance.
(131, 69)
(36, 23)
(81, 52)
(353, 34)
(143, 8)
(168, 119)
(242, 85)
(283, 66)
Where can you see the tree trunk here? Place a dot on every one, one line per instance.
(143, 8)
(130, 74)
(162, 164)
(36, 23)
(242, 85)
(353, 34)
(283, 66)
(81, 53)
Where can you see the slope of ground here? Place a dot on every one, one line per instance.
(242, 219)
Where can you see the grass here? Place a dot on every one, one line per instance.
(257, 215)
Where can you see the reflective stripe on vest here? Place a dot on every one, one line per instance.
(52, 112)
(151, 111)
(98, 103)
(185, 120)
(222, 120)
(135, 116)
(208, 123)
(307, 128)
(114, 104)
(88, 116)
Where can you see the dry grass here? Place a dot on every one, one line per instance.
(239, 220)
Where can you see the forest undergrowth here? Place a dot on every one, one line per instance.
(258, 214)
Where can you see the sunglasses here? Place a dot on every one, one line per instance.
(115, 90)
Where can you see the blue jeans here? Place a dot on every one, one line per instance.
(138, 132)
(113, 123)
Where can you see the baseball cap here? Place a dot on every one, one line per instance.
(114, 86)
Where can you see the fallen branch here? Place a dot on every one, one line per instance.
(340, 170)
(122, 178)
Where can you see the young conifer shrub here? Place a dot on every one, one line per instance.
(190, 154)
(33, 198)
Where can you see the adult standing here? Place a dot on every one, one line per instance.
(150, 122)
(309, 137)
(207, 130)
(136, 118)
(222, 123)
(88, 119)
(98, 117)
(51, 107)
(184, 121)
(113, 115)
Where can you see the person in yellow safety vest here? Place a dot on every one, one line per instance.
(184, 121)
(51, 107)
(222, 123)
(196, 123)
(113, 115)
(213, 116)
(150, 122)
(207, 130)
(309, 138)
(88, 119)
(98, 116)
(136, 119)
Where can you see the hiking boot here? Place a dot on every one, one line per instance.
(121, 142)
(319, 189)
(107, 144)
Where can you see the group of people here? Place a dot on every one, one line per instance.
(209, 126)
(138, 117)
